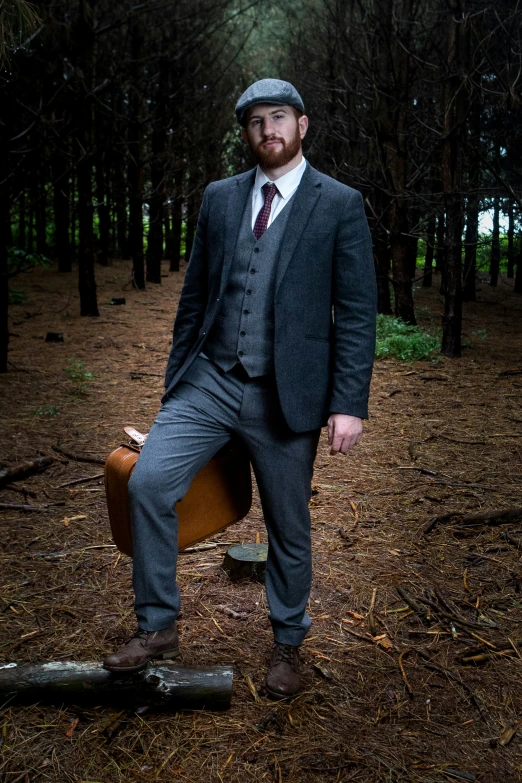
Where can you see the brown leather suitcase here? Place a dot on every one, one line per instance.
(220, 494)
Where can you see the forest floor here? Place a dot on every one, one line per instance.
(387, 694)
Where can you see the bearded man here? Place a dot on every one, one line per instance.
(273, 339)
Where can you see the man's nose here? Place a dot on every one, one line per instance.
(268, 127)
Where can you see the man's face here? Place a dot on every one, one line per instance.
(274, 134)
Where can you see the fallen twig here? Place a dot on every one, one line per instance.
(80, 481)
(403, 673)
(27, 507)
(78, 457)
(494, 517)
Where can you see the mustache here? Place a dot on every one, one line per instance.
(271, 138)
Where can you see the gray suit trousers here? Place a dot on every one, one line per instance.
(201, 414)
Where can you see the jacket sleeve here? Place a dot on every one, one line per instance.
(354, 298)
(194, 296)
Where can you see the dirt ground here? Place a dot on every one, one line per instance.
(388, 695)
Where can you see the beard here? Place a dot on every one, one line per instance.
(275, 158)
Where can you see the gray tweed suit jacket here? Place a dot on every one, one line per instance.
(324, 301)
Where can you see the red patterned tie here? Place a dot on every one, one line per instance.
(261, 224)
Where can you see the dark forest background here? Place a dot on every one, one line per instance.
(114, 116)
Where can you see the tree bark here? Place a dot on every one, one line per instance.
(165, 686)
(157, 177)
(494, 259)
(511, 241)
(469, 291)
(21, 221)
(381, 253)
(454, 115)
(177, 221)
(430, 250)
(518, 275)
(190, 229)
(104, 216)
(86, 280)
(391, 122)
(135, 170)
(4, 280)
(61, 193)
(41, 208)
(440, 246)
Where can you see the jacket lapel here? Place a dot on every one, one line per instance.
(305, 200)
(237, 198)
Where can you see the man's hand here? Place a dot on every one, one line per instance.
(344, 432)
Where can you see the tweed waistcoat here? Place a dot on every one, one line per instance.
(244, 327)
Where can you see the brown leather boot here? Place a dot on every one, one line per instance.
(282, 679)
(142, 648)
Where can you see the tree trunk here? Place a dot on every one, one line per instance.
(511, 242)
(21, 221)
(136, 171)
(469, 293)
(157, 177)
(518, 276)
(440, 247)
(41, 210)
(430, 249)
(119, 199)
(4, 280)
(177, 221)
(494, 259)
(392, 123)
(61, 212)
(454, 115)
(165, 686)
(104, 217)
(167, 227)
(192, 216)
(86, 280)
(382, 256)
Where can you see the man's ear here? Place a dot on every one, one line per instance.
(244, 135)
(303, 125)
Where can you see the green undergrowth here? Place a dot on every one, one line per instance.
(404, 342)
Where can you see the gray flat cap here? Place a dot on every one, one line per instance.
(268, 91)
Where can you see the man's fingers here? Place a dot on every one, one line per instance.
(330, 432)
(344, 432)
(342, 445)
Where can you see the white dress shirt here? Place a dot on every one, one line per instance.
(286, 186)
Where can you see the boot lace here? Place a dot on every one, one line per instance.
(140, 634)
(285, 653)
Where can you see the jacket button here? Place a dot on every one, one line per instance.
(248, 291)
(242, 334)
(240, 353)
(252, 271)
(256, 250)
(246, 312)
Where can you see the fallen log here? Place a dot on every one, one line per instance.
(24, 470)
(167, 686)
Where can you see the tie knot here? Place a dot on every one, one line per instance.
(269, 191)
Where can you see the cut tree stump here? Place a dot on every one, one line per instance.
(246, 561)
(167, 686)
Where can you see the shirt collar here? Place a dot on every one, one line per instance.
(285, 184)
